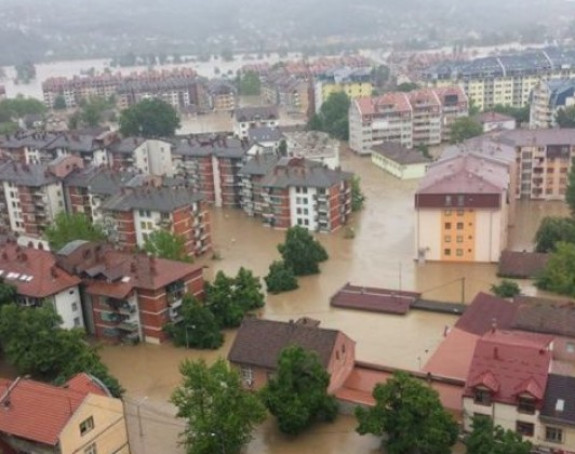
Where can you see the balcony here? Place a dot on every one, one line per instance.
(130, 327)
(175, 314)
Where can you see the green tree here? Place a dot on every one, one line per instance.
(149, 118)
(315, 123)
(282, 148)
(521, 114)
(558, 276)
(19, 107)
(565, 118)
(302, 252)
(59, 103)
(357, 197)
(570, 190)
(220, 301)
(297, 394)
(250, 84)
(551, 231)
(465, 128)
(410, 415)
(407, 87)
(167, 245)
(247, 290)
(486, 438)
(220, 415)
(198, 327)
(8, 292)
(92, 111)
(280, 278)
(334, 115)
(506, 289)
(33, 342)
(69, 227)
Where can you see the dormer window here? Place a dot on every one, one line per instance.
(526, 405)
(482, 396)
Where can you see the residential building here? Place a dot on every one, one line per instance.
(421, 117)
(150, 156)
(210, 164)
(403, 163)
(507, 381)
(133, 214)
(354, 82)
(39, 281)
(129, 297)
(259, 343)
(557, 415)
(32, 195)
(293, 93)
(296, 191)
(2, 92)
(313, 145)
(252, 117)
(493, 121)
(78, 417)
(266, 139)
(462, 210)
(548, 97)
(222, 95)
(503, 79)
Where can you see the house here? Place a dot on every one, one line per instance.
(246, 118)
(135, 213)
(265, 138)
(507, 381)
(403, 163)
(129, 297)
(78, 417)
(40, 281)
(258, 344)
(313, 145)
(462, 210)
(522, 264)
(494, 121)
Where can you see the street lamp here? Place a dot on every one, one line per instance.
(138, 405)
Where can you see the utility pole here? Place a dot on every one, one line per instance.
(462, 290)
(140, 427)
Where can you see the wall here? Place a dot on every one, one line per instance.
(489, 243)
(69, 307)
(159, 157)
(428, 233)
(341, 362)
(568, 444)
(306, 202)
(109, 432)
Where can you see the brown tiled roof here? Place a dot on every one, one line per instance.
(521, 265)
(484, 311)
(34, 272)
(398, 153)
(259, 342)
(543, 315)
(374, 299)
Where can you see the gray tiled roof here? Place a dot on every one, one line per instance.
(559, 388)
(78, 143)
(102, 181)
(398, 153)
(265, 134)
(291, 172)
(259, 164)
(256, 113)
(201, 146)
(34, 175)
(541, 137)
(164, 200)
(127, 145)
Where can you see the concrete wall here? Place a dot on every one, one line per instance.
(69, 307)
(428, 233)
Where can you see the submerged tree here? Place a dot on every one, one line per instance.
(302, 252)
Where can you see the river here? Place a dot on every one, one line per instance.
(381, 254)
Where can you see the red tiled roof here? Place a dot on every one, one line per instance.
(83, 383)
(486, 310)
(39, 411)
(374, 299)
(453, 356)
(509, 364)
(397, 101)
(46, 277)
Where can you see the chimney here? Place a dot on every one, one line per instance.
(495, 352)
(493, 325)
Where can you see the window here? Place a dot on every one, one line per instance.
(86, 426)
(447, 200)
(459, 252)
(298, 210)
(91, 449)
(460, 212)
(482, 397)
(76, 322)
(447, 239)
(525, 428)
(448, 226)
(570, 347)
(447, 252)
(305, 211)
(460, 200)
(554, 434)
(460, 226)
(447, 212)
(460, 238)
(142, 225)
(526, 405)
(247, 375)
(74, 307)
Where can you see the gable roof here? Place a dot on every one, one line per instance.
(39, 411)
(521, 265)
(398, 153)
(259, 342)
(544, 315)
(484, 311)
(510, 364)
(559, 388)
(163, 200)
(303, 172)
(256, 113)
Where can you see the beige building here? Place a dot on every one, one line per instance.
(79, 417)
(403, 163)
(462, 210)
(550, 96)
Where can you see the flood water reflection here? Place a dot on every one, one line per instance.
(381, 254)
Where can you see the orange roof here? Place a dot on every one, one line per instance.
(39, 411)
(397, 101)
(453, 356)
(33, 271)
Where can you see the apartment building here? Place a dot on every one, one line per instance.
(222, 96)
(210, 165)
(296, 191)
(313, 145)
(421, 117)
(293, 93)
(79, 416)
(252, 117)
(354, 82)
(548, 97)
(133, 214)
(2, 92)
(507, 381)
(40, 282)
(32, 195)
(462, 210)
(129, 297)
(150, 156)
(505, 79)
(77, 88)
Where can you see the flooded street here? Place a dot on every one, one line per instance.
(381, 254)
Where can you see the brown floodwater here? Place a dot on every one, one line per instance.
(381, 254)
